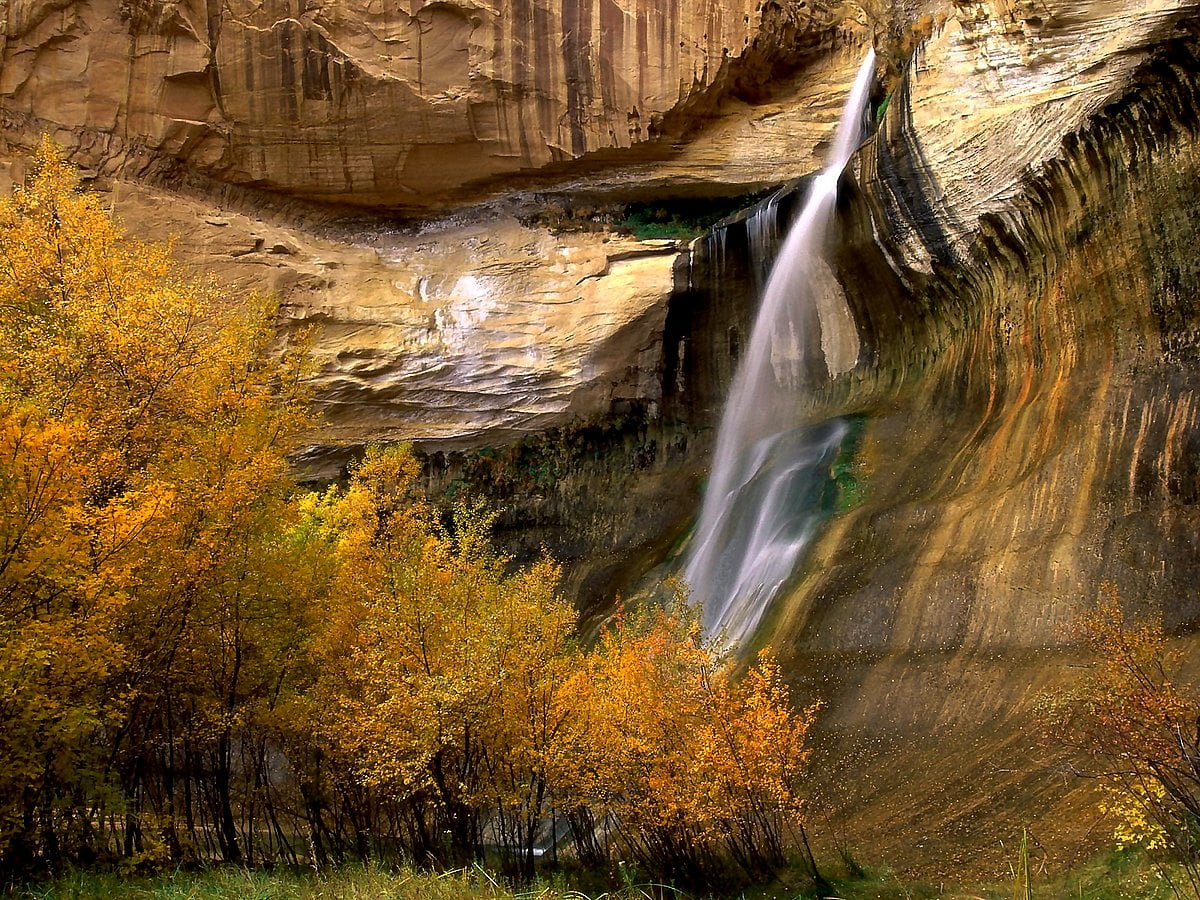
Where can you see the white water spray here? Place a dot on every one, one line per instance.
(762, 504)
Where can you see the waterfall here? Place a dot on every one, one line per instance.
(762, 504)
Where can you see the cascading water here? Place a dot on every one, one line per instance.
(762, 236)
(762, 505)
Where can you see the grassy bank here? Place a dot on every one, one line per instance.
(352, 883)
(1113, 877)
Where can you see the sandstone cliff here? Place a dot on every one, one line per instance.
(1017, 254)
(1042, 321)
(214, 120)
(369, 102)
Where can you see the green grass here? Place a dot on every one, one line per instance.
(349, 883)
(240, 884)
(1125, 875)
(1117, 876)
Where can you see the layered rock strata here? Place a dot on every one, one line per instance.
(379, 103)
(458, 333)
(1017, 255)
(1046, 331)
(1020, 287)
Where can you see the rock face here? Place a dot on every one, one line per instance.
(990, 98)
(1042, 320)
(1014, 257)
(369, 102)
(475, 333)
(990, 205)
(459, 333)
(222, 122)
(1017, 254)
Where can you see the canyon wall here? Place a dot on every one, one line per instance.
(1033, 381)
(1016, 251)
(1013, 256)
(371, 102)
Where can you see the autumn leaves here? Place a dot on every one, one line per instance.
(142, 441)
(693, 768)
(461, 694)
(1135, 718)
(198, 661)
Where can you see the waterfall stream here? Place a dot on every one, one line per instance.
(762, 505)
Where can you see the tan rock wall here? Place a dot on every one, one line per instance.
(1032, 426)
(360, 100)
(989, 98)
(459, 333)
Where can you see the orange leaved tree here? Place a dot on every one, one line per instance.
(1139, 723)
(143, 437)
(438, 668)
(686, 767)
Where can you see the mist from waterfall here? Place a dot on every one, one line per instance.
(762, 504)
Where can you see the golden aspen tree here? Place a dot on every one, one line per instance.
(691, 771)
(143, 433)
(1139, 724)
(441, 667)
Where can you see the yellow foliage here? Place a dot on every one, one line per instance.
(143, 441)
(456, 688)
(1129, 803)
(197, 661)
(690, 762)
(437, 668)
(1138, 724)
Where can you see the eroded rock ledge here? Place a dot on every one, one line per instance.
(382, 103)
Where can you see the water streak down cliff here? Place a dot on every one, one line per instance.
(758, 512)
(1016, 250)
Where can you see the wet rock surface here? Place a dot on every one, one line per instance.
(1017, 257)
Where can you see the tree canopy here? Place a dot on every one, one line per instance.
(200, 661)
